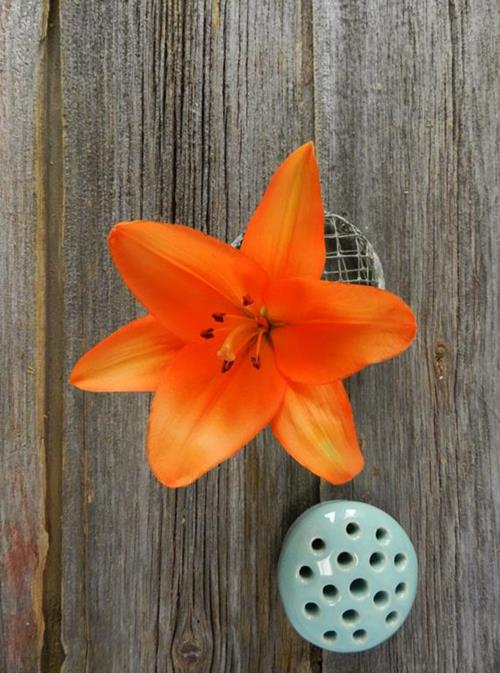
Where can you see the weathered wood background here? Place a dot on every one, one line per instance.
(179, 110)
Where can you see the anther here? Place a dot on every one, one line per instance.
(218, 317)
(226, 365)
(255, 361)
(247, 300)
(207, 333)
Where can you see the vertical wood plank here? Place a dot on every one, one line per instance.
(23, 540)
(176, 111)
(408, 132)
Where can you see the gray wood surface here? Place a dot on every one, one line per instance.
(192, 107)
(408, 133)
(23, 537)
(180, 111)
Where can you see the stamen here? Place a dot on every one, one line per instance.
(255, 361)
(247, 300)
(244, 334)
(226, 365)
(237, 340)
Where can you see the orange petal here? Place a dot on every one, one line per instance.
(316, 427)
(201, 417)
(130, 359)
(286, 232)
(183, 276)
(334, 329)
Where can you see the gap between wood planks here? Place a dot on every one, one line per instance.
(50, 203)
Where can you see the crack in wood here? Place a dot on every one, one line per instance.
(49, 155)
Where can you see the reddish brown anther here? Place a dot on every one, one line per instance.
(255, 361)
(207, 333)
(247, 300)
(218, 317)
(226, 365)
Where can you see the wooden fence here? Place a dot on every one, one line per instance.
(179, 110)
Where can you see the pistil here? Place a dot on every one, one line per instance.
(237, 339)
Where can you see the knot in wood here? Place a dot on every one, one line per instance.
(441, 358)
(188, 653)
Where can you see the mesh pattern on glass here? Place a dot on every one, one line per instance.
(350, 257)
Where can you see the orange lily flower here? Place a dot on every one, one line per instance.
(237, 339)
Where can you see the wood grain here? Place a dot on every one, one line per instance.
(408, 136)
(23, 540)
(193, 107)
(180, 111)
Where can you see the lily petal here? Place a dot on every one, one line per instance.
(130, 359)
(286, 232)
(183, 276)
(201, 416)
(334, 329)
(316, 427)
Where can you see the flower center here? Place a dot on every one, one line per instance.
(243, 334)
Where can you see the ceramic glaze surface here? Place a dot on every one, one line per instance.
(347, 575)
